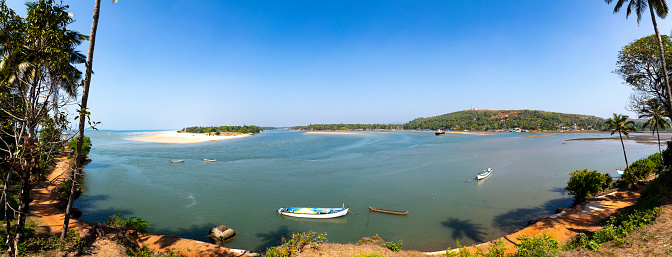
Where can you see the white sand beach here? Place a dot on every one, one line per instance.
(172, 137)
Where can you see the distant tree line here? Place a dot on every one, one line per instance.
(484, 120)
(239, 129)
(502, 120)
(348, 127)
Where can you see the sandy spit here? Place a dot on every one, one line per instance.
(172, 137)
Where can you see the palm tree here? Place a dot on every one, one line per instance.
(82, 115)
(621, 124)
(661, 10)
(655, 111)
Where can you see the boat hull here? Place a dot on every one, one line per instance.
(388, 211)
(209, 160)
(484, 175)
(314, 213)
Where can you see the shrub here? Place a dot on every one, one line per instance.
(639, 170)
(137, 223)
(496, 249)
(584, 184)
(293, 246)
(461, 251)
(395, 247)
(658, 163)
(86, 145)
(544, 245)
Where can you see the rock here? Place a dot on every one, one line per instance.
(221, 233)
(559, 210)
(371, 240)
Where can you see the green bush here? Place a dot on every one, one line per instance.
(461, 251)
(657, 161)
(584, 184)
(544, 245)
(616, 228)
(496, 249)
(395, 247)
(137, 223)
(639, 170)
(86, 145)
(293, 246)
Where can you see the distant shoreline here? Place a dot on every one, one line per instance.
(173, 137)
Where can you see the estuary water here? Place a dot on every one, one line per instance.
(432, 177)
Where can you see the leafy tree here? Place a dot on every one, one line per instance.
(660, 6)
(655, 111)
(621, 124)
(38, 58)
(639, 170)
(584, 184)
(638, 65)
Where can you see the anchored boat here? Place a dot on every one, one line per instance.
(484, 174)
(313, 213)
(388, 211)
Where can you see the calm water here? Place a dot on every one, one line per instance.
(431, 177)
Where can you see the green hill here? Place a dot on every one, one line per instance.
(507, 119)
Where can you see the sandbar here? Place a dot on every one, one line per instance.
(172, 137)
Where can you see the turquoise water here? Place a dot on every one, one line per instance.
(432, 177)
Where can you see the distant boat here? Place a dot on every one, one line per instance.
(620, 172)
(208, 160)
(314, 213)
(388, 211)
(439, 132)
(484, 174)
(176, 161)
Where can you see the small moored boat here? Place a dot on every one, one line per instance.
(484, 174)
(620, 172)
(388, 211)
(176, 161)
(439, 132)
(208, 160)
(313, 213)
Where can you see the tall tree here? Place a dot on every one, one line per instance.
(83, 112)
(620, 123)
(638, 65)
(38, 57)
(655, 112)
(660, 7)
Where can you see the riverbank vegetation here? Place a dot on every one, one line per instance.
(484, 120)
(252, 129)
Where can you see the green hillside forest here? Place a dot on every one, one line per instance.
(484, 120)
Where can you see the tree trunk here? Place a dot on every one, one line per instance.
(82, 117)
(24, 203)
(623, 145)
(661, 54)
(660, 151)
(5, 210)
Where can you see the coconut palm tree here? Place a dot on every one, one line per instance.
(660, 7)
(655, 112)
(621, 124)
(82, 114)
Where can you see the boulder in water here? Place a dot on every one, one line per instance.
(221, 233)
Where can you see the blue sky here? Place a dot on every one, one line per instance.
(173, 64)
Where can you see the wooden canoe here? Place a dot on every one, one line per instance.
(208, 160)
(388, 211)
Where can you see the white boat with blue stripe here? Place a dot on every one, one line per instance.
(484, 174)
(314, 213)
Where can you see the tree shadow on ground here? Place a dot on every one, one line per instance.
(273, 238)
(465, 228)
(515, 219)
